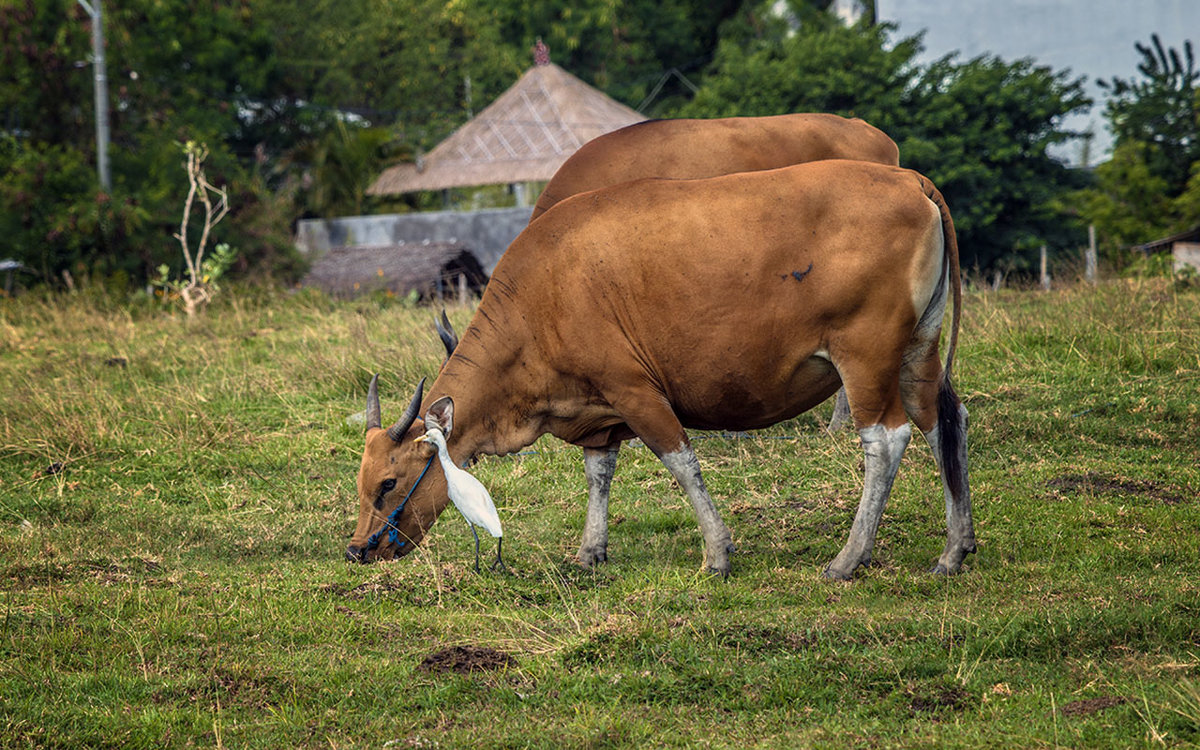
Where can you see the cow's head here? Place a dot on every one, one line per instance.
(401, 487)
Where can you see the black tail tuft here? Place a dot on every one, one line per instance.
(950, 434)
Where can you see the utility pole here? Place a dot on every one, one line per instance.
(100, 76)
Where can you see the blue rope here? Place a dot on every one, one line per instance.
(394, 518)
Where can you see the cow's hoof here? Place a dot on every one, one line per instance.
(834, 574)
(590, 557)
(836, 571)
(717, 563)
(723, 573)
(942, 569)
(843, 566)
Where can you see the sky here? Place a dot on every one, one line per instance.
(1091, 38)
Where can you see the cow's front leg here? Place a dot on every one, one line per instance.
(649, 416)
(598, 465)
(718, 544)
(883, 449)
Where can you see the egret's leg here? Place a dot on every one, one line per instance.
(499, 561)
(476, 535)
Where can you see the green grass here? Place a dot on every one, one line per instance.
(175, 499)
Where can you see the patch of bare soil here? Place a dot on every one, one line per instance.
(764, 639)
(1099, 484)
(363, 590)
(1091, 705)
(465, 660)
(939, 697)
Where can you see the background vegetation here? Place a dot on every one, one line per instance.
(301, 111)
(175, 499)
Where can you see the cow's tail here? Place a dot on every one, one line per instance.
(951, 428)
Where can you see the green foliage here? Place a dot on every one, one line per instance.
(302, 110)
(624, 47)
(1129, 203)
(176, 71)
(825, 67)
(1151, 186)
(979, 129)
(1162, 266)
(53, 216)
(212, 269)
(338, 167)
(401, 63)
(1160, 111)
(175, 500)
(982, 131)
(41, 89)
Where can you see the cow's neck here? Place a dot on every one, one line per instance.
(496, 394)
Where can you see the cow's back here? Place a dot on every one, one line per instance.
(712, 288)
(693, 149)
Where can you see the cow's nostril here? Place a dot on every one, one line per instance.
(356, 554)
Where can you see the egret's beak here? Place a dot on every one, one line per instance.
(420, 438)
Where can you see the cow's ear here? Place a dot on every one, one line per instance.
(441, 415)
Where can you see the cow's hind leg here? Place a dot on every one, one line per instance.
(932, 404)
(948, 440)
(873, 389)
(598, 465)
(883, 448)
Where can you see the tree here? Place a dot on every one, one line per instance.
(982, 131)
(1151, 185)
(1160, 111)
(202, 273)
(177, 71)
(338, 167)
(979, 129)
(623, 47)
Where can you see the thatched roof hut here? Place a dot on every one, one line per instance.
(523, 136)
(432, 269)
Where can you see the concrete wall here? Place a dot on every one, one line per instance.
(488, 232)
(1186, 254)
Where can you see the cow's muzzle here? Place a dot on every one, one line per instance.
(356, 554)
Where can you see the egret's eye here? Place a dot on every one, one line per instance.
(389, 485)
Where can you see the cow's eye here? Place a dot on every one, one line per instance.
(389, 485)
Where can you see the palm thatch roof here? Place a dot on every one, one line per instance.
(429, 268)
(523, 136)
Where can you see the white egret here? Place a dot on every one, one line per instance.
(469, 496)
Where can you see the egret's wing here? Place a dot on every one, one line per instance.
(474, 502)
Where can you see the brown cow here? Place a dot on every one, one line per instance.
(734, 302)
(692, 149)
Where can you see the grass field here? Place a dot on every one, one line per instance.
(175, 499)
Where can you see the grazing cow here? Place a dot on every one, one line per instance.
(691, 149)
(733, 303)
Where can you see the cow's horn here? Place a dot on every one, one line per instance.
(374, 416)
(446, 334)
(396, 431)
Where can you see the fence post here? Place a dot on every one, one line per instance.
(1045, 272)
(1089, 273)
